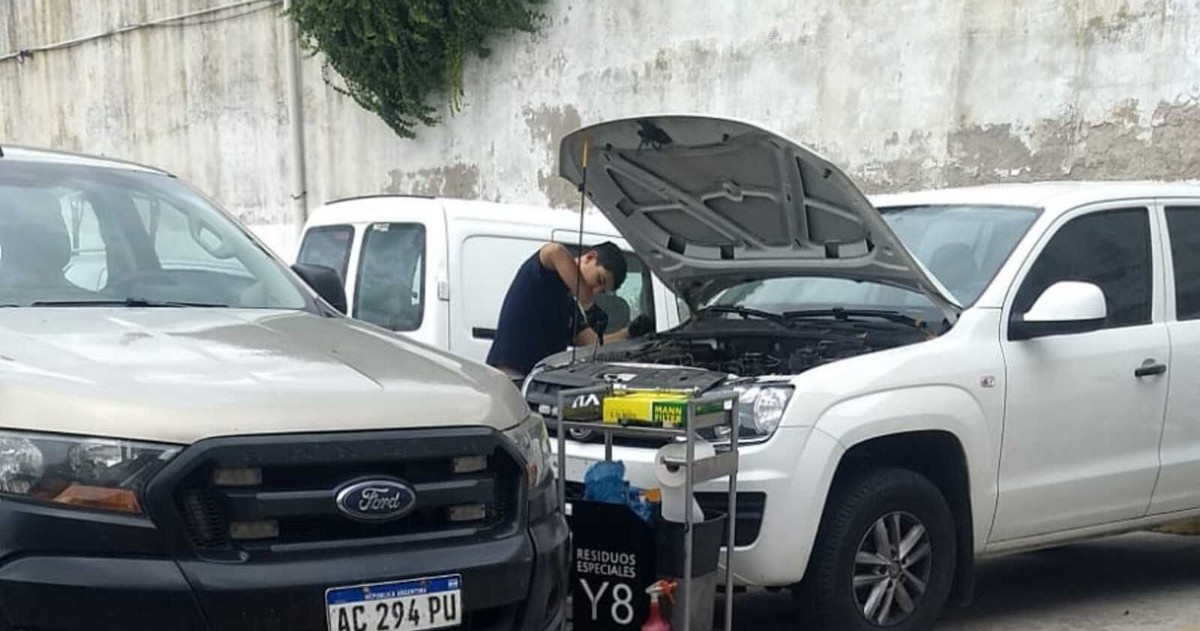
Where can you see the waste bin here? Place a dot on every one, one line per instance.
(670, 545)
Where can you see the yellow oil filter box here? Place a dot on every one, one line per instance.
(659, 409)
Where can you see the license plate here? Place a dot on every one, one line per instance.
(422, 603)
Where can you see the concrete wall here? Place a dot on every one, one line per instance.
(905, 95)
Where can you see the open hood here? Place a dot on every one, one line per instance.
(709, 203)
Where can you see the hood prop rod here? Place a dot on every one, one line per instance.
(579, 253)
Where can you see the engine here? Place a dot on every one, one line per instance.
(752, 355)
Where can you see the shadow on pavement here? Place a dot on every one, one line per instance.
(1143, 581)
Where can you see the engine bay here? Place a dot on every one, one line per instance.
(754, 349)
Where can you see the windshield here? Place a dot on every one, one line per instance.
(77, 235)
(962, 246)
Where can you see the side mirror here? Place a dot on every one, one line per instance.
(1065, 307)
(325, 281)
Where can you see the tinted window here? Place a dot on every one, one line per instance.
(73, 234)
(328, 246)
(1110, 249)
(1184, 226)
(390, 274)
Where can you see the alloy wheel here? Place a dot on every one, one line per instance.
(891, 568)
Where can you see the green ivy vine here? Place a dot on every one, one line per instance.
(395, 55)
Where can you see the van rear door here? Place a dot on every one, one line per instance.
(391, 252)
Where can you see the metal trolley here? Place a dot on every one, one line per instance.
(724, 463)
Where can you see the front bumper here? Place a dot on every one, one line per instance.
(180, 567)
(773, 471)
(516, 582)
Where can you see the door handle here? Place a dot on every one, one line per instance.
(1148, 370)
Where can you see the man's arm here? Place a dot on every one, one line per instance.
(556, 257)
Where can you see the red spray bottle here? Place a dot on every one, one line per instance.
(655, 621)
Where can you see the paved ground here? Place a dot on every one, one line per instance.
(1142, 582)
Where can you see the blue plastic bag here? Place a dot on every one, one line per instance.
(604, 481)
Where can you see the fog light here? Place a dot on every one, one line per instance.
(242, 530)
(237, 477)
(467, 512)
(470, 464)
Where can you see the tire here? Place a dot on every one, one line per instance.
(827, 599)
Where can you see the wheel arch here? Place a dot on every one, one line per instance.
(938, 456)
(939, 432)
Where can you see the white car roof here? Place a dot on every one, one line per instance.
(1053, 197)
(21, 153)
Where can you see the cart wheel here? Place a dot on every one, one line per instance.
(884, 556)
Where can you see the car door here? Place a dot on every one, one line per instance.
(1081, 430)
(1177, 487)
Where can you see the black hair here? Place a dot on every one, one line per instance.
(610, 257)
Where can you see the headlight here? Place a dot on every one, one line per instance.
(759, 411)
(93, 473)
(760, 408)
(533, 443)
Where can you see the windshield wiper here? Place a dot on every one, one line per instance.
(844, 314)
(126, 302)
(745, 312)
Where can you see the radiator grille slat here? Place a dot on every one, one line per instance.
(300, 496)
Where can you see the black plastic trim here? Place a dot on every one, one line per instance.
(97, 594)
(311, 449)
(253, 505)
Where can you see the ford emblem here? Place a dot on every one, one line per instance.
(377, 499)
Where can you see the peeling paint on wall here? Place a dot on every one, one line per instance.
(455, 180)
(1115, 148)
(547, 127)
(940, 93)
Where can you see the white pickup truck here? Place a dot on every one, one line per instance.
(926, 379)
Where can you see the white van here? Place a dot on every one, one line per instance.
(437, 269)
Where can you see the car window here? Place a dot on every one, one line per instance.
(781, 295)
(391, 273)
(328, 246)
(1110, 249)
(88, 265)
(1183, 223)
(637, 290)
(963, 246)
(72, 234)
(175, 246)
(180, 247)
